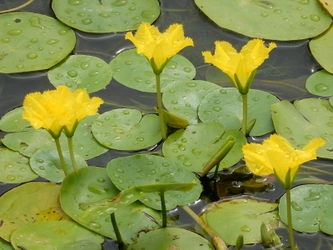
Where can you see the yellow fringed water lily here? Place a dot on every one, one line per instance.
(240, 67)
(159, 47)
(59, 109)
(276, 155)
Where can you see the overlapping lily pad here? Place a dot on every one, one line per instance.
(320, 83)
(183, 99)
(273, 19)
(91, 185)
(31, 42)
(143, 169)
(105, 16)
(13, 121)
(225, 106)
(81, 72)
(233, 218)
(127, 129)
(306, 119)
(311, 208)
(55, 235)
(134, 71)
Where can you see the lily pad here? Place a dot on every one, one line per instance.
(306, 119)
(105, 16)
(198, 143)
(4, 245)
(40, 201)
(320, 83)
(273, 20)
(133, 70)
(143, 169)
(46, 164)
(322, 49)
(55, 235)
(328, 5)
(233, 218)
(28, 142)
(127, 129)
(171, 238)
(81, 72)
(311, 208)
(183, 99)
(12, 121)
(91, 185)
(225, 106)
(14, 167)
(31, 42)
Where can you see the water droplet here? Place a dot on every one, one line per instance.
(93, 73)
(303, 1)
(148, 14)
(87, 21)
(191, 84)
(84, 65)
(152, 171)
(277, 11)
(295, 206)
(5, 40)
(105, 15)
(187, 69)
(187, 164)
(217, 109)
(287, 130)
(72, 73)
(255, 99)
(138, 79)
(42, 168)
(74, 2)
(11, 178)
(165, 164)
(52, 41)
(20, 66)
(264, 14)
(120, 3)
(80, 14)
(94, 225)
(196, 151)
(315, 18)
(140, 139)
(62, 32)
(32, 55)
(14, 32)
(35, 22)
(304, 16)
(172, 65)
(245, 229)
(309, 137)
(120, 170)
(321, 87)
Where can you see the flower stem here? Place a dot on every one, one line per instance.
(160, 105)
(164, 212)
(61, 157)
(290, 225)
(244, 125)
(71, 152)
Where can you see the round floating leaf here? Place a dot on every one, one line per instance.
(105, 15)
(233, 218)
(12, 121)
(198, 143)
(85, 144)
(306, 119)
(55, 235)
(134, 71)
(225, 106)
(31, 41)
(275, 20)
(171, 238)
(311, 208)
(29, 203)
(320, 83)
(81, 72)
(126, 129)
(91, 186)
(14, 167)
(143, 169)
(322, 49)
(183, 99)
(46, 164)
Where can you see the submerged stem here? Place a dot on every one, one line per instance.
(71, 152)
(160, 105)
(244, 125)
(290, 225)
(164, 212)
(61, 157)
(120, 241)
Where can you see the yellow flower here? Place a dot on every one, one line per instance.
(158, 47)
(240, 67)
(57, 109)
(276, 155)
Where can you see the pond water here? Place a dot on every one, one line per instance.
(283, 74)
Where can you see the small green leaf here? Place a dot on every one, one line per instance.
(13, 121)
(320, 83)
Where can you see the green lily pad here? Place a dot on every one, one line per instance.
(40, 201)
(320, 83)
(28, 142)
(4, 245)
(134, 71)
(171, 238)
(127, 129)
(322, 49)
(91, 185)
(311, 208)
(143, 169)
(274, 20)
(183, 99)
(46, 164)
(233, 218)
(14, 167)
(31, 42)
(106, 15)
(55, 235)
(81, 72)
(328, 5)
(306, 119)
(12, 121)
(225, 106)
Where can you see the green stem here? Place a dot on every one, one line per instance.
(61, 157)
(244, 125)
(71, 152)
(290, 225)
(160, 105)
(164, 212)
(116, 231)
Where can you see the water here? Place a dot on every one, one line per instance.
(283, 74)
